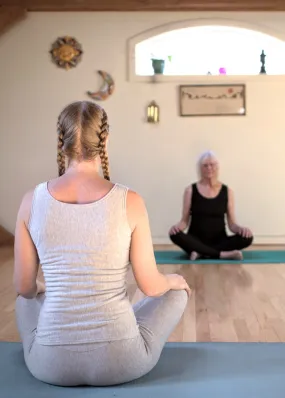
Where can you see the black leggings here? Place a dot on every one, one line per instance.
(190, 243)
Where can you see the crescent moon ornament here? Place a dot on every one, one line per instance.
(107, 88)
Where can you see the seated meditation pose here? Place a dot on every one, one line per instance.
(205, 205)
(78, 327)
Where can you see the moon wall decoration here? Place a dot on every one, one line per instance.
(107, 88)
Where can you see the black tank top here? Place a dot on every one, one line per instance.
(208, 215)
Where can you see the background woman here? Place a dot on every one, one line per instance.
(205, 205)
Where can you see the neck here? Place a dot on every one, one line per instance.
(210, 182)
(86, 167)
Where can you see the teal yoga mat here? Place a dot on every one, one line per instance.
(250, 257)
(185, 370)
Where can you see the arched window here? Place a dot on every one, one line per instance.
(202, 50)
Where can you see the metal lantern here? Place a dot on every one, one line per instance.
(153, 112)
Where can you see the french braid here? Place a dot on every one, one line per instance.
(102, 146)
(60, 152)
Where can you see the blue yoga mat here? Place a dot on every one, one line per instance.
(250, 257)
(194, 370)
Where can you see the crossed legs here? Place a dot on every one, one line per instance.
(105, 363)
(228, 247)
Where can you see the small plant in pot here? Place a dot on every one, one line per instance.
(158, 64)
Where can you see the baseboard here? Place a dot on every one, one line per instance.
(269, 240)
(6, 238)
(258, 240)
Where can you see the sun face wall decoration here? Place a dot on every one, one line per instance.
(66, 52)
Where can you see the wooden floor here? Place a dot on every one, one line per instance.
(236, 303)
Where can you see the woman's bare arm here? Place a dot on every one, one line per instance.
(234, 227)
(26, 261)
(185, 218)
(150, 281)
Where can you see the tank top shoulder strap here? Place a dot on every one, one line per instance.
(224, 192)
(40, 198)
(41, 189)
(40, 194)
(194, 188)
(121, 192)
(195, 191)
(194, 197)
(122, 188)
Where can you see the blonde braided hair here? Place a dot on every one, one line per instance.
(60, 152)
(82, 135)
(102, 144)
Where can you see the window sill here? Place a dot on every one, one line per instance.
(208, 79)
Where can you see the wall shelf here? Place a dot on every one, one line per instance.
(208, 79)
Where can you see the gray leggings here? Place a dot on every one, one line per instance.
(101, 364)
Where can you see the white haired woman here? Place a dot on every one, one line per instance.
(205, 205)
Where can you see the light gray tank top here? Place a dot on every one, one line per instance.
(84, 253)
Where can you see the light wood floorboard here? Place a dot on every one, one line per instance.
(230, 303)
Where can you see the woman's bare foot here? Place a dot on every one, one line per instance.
(194, 256)
(232, 255)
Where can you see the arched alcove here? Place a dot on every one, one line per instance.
(201, 47)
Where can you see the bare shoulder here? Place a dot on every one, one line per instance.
(136, 209)
(188, 190)
(135, 201)
(230, 191)
(25, 206)
(230, 197)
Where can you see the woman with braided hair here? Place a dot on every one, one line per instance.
(79, 328)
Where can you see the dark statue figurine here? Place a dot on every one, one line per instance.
(262, 60)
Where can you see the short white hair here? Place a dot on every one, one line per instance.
(203, 156)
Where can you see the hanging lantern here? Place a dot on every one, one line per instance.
(153, 112)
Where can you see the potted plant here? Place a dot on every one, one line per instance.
(158, 64)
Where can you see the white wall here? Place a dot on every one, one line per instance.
(157, 161)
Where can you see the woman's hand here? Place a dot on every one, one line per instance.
(245, 232)
(181, 226)
(177, 282)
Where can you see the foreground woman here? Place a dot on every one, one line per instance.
(80, 329)
(205, 206)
